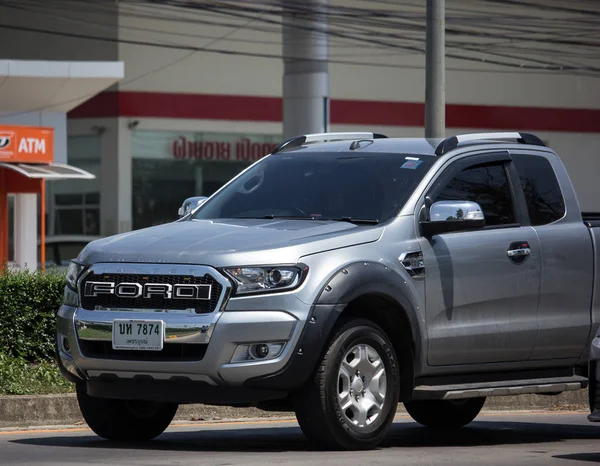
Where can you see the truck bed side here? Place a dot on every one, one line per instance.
(592, 221)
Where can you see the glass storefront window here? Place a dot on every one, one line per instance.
(168, 167)
(73, 206)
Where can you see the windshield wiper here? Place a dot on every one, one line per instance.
(286, 217)
(357, 221)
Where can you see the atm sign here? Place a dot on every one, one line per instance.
(26, 144)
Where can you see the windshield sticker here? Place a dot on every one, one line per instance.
(411, 164)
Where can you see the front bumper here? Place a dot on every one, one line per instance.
(196, 364)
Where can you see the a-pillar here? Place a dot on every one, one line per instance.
(26, 231)
(115, 178)
(305, 77)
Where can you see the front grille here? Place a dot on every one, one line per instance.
(171, 352)
(155, 302)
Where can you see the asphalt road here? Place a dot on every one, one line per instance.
(493, 439)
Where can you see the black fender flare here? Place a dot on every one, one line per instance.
(346, 284)
(363, 278)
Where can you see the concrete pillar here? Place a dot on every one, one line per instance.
(115, 167)
(26, 231)
(435, 73)
(305, 77)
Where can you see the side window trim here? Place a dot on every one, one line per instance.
(518, 195)
(491, 158)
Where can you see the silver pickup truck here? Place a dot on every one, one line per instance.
(336, 277)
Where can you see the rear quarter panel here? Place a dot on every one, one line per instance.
(595, 304)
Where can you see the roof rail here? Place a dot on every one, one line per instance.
(453, 142)
(322, 137)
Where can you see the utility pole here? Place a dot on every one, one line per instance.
(305, 76)
(435, 73)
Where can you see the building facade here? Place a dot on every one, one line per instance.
(201, 98)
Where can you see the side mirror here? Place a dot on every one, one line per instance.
(190, 204)
(452, 216)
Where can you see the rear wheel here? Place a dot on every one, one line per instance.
(126, 420)
(351, 401)
(445, 413)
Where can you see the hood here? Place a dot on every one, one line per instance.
(222, 243)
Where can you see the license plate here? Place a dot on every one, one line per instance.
(147, 335)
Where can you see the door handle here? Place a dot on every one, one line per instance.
(519, 251)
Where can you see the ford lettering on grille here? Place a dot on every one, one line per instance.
(148, 290)
(164, 292)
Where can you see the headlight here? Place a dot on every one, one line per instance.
(265, 279)
(73, 273)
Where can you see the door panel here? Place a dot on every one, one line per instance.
(481, 306)
(482, 302)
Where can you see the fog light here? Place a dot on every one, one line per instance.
(257, 352)
(261, 351)
(66, 345)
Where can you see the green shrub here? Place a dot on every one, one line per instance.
(28, 305)
(18, 377)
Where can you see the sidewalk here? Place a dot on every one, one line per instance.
(28, 411)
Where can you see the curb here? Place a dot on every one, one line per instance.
(44, 410)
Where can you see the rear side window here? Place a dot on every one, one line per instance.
(544, 198)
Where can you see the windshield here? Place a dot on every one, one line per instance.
(320, 185)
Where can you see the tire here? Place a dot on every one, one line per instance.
(319, 404)
(445, 414)
(125, 420)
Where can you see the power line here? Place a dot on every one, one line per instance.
(275, 56)
(363, 33)
(545, 6)
(193, 49)
(480, 48)
(228, 11)
(225, 9)
(332, 43)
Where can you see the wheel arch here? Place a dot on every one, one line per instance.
(364, 289)
(376, 292)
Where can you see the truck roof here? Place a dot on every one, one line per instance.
(419, 146)
(374, 142)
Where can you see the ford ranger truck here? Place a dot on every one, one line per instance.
(339, 275)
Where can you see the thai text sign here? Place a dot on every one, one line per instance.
(242, 150)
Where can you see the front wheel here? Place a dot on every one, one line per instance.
(351, 401)
(125, 420)
(445, 413)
